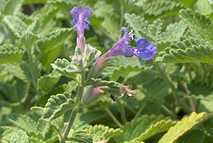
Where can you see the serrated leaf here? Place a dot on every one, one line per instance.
(44, 15)
(10, 53)
(200, 26)
(56, 106)
(19, 136)
(23, 122)
(144, 127)
(46, 82)
(183, 126)
(121, 65)
(199, 91)
(101, 132)
(195, 136)
(189, 3)
(12, 7)
(15, 25)
(6, 132)
(53, 39)
(161, 9)
(187, 51)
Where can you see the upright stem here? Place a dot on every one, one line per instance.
(122, 111)
(141, 108)
(113, 117)
(197, 105)
(74, 111)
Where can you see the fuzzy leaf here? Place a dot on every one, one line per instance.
(44, 15)
(183, 126)
(15, 25)
(6, 132)
(189, 3)
(23, 122)
(46, 82)
(53, 39)
(143, 128)
(199, 91)
(200, 26)
(195, 136)
(121, 65)
(56, 106)
(10, 53)
(161, 9)
(19, 136)
(101, 132)
(187, 51)
(12, 7)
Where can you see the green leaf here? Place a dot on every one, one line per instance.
(195, 136)
(186, 124)
(23, 122)
(187, 51)
(189, 3)
(15, 25)
(34, 1)
(44, 15)
(143, 128)
(12, 7)
(199, 90)
(102, 133)
(19, 136)
(6, 132)
(46, 82)
(204, 7)
(199, 25)
(53, 39)
(10, 53)
(56, 106)
(161, 9)
(121, 65)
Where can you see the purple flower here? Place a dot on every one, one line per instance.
(80, 21)
(80, 18)
(145, 49)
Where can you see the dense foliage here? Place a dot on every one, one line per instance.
(40, 82)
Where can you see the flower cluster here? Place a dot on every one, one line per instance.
(145, 50)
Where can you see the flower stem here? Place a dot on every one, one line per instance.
(197, 105)
(122, 111)
(74, 111)
(141, 108)
(113, 117)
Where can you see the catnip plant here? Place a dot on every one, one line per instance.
(127, 71)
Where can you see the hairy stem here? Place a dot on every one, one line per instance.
(74, 111)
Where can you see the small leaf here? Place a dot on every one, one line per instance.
(101, 132)
(183, 126)
(187, 51)
(15, 25)
(10, 53)
(6, 132)
(46, 82)
(56, 106)
(144, 127)
(12, 7)
(121, 65)
(200, 26)
(19, 136)
(189, 3)
(23, 122)
(53, 39)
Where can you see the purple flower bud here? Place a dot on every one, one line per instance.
(93, 94)
(80, 21)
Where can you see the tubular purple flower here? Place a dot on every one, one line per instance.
(80, 21)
